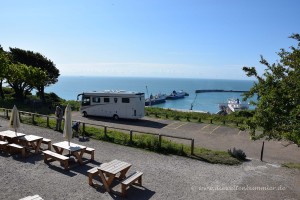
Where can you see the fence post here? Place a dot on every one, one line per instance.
(48, 121)
(130, 136)
(83, 128)
(159, 140)
(105, 131)
(262, 151)
(20, 117)
(192, 146)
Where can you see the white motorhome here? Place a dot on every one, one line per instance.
(112, 103)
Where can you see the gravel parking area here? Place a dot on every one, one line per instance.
(165, 177)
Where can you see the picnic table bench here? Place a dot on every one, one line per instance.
(12, 148)
(130, 180)
(90, 151)
(3, 146)
(64, 160)
(111, 169)
(34, 197)
(94, 172)
(47, 142)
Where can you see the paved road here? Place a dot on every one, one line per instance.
(206, 135)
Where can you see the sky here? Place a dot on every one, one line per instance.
(151, 38)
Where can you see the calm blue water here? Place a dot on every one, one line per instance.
(68, 88)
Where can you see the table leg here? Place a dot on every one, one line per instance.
(58, 150)
(38, 145)
(110, 179)
(123, 173)
(79, 155)
(104, 181)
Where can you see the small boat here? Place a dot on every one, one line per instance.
(233, 105)
(177, 95)
(156, 99)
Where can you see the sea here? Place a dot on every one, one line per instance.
(68, 87)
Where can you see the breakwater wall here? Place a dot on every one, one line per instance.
(237, 91)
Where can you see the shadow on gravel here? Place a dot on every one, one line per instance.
(133, 192)
(82, 169)
(60, 169)
(33, 158)
(137, 122)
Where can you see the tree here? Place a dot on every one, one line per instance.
(37, 60)
(4, 63)
(22, 79)
(278, 90)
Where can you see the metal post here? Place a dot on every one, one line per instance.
(262, 151)
(6, 113)
(105, 131)
(32, 118)
(130, 136)
(20, 117)
(159, 139)
(48, 121)
(83, 128)
(192, 146)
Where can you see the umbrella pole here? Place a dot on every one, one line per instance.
(69, 150)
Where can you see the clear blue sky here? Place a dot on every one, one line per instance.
(159, 38)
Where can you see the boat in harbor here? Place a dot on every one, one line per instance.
(156, 99)
(177, 95)
(233, 105)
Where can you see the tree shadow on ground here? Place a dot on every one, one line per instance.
(133, 122)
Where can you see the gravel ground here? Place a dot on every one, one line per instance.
(165, 177)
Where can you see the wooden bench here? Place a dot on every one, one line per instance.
(64, 160)
(131, 179)
(12, 148)
(3, 146)
(47, 142)
(91, 151)
(35, 197)
(93, 172)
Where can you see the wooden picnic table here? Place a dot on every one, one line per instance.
(74, 149)
(10, 136)
(111, 169)
(31, 141)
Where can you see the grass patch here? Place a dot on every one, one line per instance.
(292, 165)
(235, 119)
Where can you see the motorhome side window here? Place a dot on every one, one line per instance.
(96, 100)
(86, 101)
(106, 99)
(125, 100)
